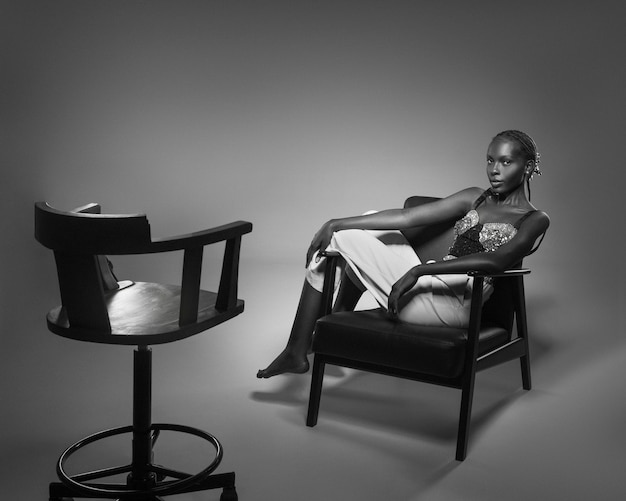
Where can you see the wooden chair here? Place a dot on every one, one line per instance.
(95, 307)
(370, 341)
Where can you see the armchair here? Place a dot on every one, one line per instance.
(370, 341)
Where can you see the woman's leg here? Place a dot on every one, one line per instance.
(348, 294)
(374, 263)
(293, 358)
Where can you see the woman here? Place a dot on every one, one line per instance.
(496, 228)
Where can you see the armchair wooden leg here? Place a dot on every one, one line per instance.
(315, 394)
(522, 331)
(467, 396)
(525, 364)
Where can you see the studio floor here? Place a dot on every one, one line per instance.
(378, 438)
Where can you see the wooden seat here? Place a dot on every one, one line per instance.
(371, 341)
(134, 321)
(96, 307)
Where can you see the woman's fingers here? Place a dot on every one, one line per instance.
(392, 302)
(319, 243)
(398, 289)
(313, 248)
(392, 308)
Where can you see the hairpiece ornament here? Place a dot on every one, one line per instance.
(535, 169)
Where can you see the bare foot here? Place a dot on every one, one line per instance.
(286, 362)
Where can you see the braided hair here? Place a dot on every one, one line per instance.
(528, 149)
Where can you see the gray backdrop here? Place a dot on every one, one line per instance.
(287, 113)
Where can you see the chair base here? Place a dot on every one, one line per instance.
(225, 481)
(145, 482)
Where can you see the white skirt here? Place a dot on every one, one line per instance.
(378, 259)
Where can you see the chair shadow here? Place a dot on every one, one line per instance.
(292, 392)
(426, 411)
(394, 405)
(540, 308)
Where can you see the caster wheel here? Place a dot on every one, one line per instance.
(229, 494)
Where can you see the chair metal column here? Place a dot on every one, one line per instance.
(141, 476)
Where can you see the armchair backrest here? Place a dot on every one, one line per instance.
(429, 242)
(433, 242)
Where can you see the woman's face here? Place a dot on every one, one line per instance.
(506, 167)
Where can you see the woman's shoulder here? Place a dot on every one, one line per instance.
(540, 216)
(474, 191)
(535, 219)
(468, 195)
(472, 197)
(464, 200)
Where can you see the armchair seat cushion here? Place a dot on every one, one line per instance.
(370, 336)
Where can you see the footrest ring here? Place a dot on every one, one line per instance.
(161, 488)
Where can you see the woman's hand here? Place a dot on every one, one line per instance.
(321, 240)
(401, 287)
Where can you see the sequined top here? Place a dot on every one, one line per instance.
(472, 236)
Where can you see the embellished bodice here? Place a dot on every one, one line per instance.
(472, 236)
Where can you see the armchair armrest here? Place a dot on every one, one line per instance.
(514, 272)
(329, 279)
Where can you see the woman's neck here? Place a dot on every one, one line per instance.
(516, 197)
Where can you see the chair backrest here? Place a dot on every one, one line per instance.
(433, 242)
(86, 231)
(79, 239)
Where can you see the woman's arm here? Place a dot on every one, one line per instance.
(501, 259)
(453, 206)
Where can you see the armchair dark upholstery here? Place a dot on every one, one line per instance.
(370, 341)
(96, 307)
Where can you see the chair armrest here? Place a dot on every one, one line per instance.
(193, 245)
(516, 272)
(474, 273)
(199, 238)
(327, 290)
